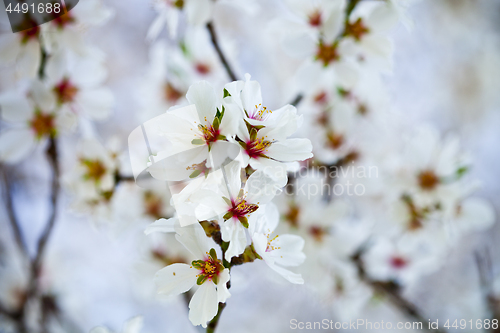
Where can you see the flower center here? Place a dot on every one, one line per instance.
(357, 29)
(178, 3)
(398, 262)
(315, 18)
(43, 124)
(428, 180)
(202, 68)
(153, 205)
(209, 268)
(260, 112)
(171, 94)
(292, 216)
(65, 91)
(271, 247)
(62, 21)
(28, 34)
(95, 169)
(318, 233)
(241, 208)
(334, 140)
(321, 98)
(209, 133)
(327, 53)
(257, 148)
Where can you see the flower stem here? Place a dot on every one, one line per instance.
(222, 57)
(212, 325)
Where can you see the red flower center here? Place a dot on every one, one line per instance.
(65, 91)
(257, 148)
(398, 262)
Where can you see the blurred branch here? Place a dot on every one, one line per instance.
(52, 156)
(213, 37)
(485, 271)
(9, 205)
(391, 291)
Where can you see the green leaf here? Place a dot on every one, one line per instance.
(216, 123)
(462, 171)
(253, 133)
(213, 254)
(226, 93)
(202, 278)
(244, 221)
(198, 142)
(198, 264)
(227, 216)
(229, 203)
(215, 278)
(195, 173)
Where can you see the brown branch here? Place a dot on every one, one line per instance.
(391, 291)
(9, 205)
(213, 37)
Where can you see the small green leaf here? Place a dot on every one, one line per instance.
(226, 93)
(213, 254)
(198, 264)
(229, 203)
(202, 278)
(227, 216)
(195, 173)
(215, 278)
(462, 171)
(198, 142)
(253, 133)
(216, 124)
(244, 221)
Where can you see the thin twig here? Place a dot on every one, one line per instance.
(213, 37)
(391, 291)
(52, 156)
(9, 205)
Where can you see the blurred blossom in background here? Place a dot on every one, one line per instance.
(365, 187)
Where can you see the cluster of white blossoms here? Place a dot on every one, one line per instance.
(58, 79)
(236, 151)
(334, 190)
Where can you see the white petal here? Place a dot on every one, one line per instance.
(156, 27)
(199, 12)
(290, 276)
(222, 291)
(15, 107)
(194, 239)
(162, 225)
(233, 231)
(290, 150)
(96, 103)
(288, 250)
(16, 144)
(202, 94)
(175, 279)
(29, 59)
(134, 325)
(42, 96)
(100, 329)
(10, 45)
(203, 306)
(251, 96)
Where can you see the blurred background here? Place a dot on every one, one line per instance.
(445, 72)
